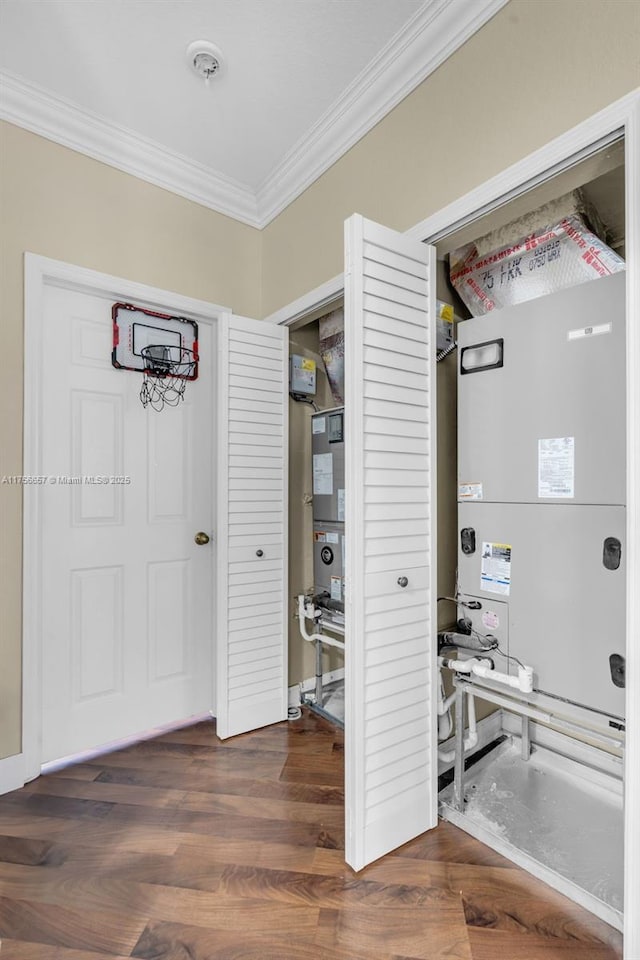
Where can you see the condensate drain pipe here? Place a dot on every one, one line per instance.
(478, 667)
(306, 611)
(467, 667)
(470, 741)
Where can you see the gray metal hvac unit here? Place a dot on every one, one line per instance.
(327, 443)
(541, 470)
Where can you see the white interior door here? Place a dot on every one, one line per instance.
(252, 631)
(390, 669)
(127, 594)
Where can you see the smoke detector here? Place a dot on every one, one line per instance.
(205, 59)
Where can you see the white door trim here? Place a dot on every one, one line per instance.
(622, 115)
(39, 272)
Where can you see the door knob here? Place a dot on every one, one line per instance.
(403, 582)
(201, 538)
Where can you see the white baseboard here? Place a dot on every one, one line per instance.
(309, 685)
(12, 771)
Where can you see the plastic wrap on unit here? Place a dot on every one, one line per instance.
(559, 256)
(332, 352)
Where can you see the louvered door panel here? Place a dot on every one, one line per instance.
(252, 542)
(390, 724)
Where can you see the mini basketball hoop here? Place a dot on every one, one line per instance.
(164, 349)
(166, 369)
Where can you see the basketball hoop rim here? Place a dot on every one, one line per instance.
(161, 368)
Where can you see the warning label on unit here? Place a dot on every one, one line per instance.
(490, 620)
(556, 467)
(495, 572)
(323, 473)
(336, 588)
(469, 491)
(319, 425)
(326, 536)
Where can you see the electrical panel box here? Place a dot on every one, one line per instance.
(541, 485)
(444, 325)
(302, 376)
(327, 442)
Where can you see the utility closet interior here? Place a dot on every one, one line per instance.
(531, 481)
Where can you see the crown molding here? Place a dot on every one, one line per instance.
(55, 118)
(436, 31)
(427, 40)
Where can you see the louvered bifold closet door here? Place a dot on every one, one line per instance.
(390, 722)
(251, 641)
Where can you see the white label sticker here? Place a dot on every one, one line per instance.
(336, 588)
(319, 425)
(340, 505)
(589, 331)
(323, 473)
(495, 573)
(556, 467)
(469, 491)
(320, 536)
(490, 620)
(331, 537)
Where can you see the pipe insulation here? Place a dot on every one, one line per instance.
(468, 641)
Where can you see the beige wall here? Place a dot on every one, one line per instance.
(63, 205)
(534, 71)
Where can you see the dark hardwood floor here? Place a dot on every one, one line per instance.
(187, 848)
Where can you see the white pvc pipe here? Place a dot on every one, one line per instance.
(471, 740)
(523, 682)
(478, 667)
(307, 613)
(447, 703)
(483, 668)
(445, 725)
